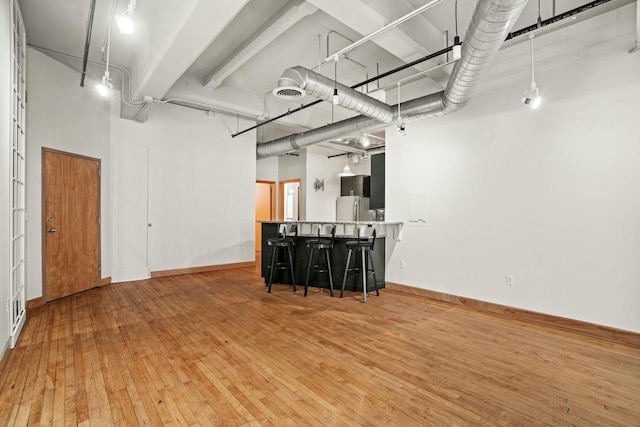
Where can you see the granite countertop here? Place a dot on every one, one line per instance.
(347, 229)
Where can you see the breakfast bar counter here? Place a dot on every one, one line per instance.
(345, 231)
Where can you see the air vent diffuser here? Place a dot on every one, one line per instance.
(289, 92)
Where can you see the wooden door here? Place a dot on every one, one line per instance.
(265, 207)
(70, 223)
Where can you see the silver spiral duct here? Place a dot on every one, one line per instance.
(491, 22)
(321, 87)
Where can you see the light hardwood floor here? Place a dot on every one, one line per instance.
(215, 348)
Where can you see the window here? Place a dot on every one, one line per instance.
(18, 81)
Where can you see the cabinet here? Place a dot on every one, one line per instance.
(358, 184)
(377, 181)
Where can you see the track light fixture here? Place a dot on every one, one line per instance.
(400, 127)
(335, 99)
(125, 19)
(457, 44)
(457, 48)
(105, 86)
(532, 96)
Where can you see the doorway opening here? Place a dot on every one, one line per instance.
(265, 207)
(289, 200)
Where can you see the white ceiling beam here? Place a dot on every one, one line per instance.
(361, 17)
(179, 34)
(280, 22)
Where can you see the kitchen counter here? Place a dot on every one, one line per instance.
(345, 230)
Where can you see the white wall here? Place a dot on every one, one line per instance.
(321, 205)
(201, 192)
(267, 169)
(548, 196)
(5, 172)
(63, 116)
(130, 142)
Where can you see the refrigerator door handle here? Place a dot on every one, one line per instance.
(356, 211)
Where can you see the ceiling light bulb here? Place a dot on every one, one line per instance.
(102, 89)
(125, 23)
(535, 102)
(336, 100)
(365, 141)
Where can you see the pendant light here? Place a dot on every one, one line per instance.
(346, 171)
(400, 128)
(105, 86)
(532, 97)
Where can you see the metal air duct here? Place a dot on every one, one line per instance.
(491, 22)
(314, 84)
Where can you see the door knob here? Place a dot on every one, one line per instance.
(51, 230)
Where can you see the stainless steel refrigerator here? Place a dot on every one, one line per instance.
(352, 208)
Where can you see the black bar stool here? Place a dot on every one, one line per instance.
(286, 239)
(363, 247)
(324, 243)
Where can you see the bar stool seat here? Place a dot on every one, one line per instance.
(286, 239)
(363, 247)
(324, 243)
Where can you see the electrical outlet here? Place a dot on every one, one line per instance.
(402, 264)
(509, 280)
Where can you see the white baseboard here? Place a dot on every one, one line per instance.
(130, 276)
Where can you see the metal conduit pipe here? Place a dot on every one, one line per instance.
(343, 147)
(319, 86)
(491, 22)
(556, 18)
(87, 42)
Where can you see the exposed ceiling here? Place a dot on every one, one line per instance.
(228, 55)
